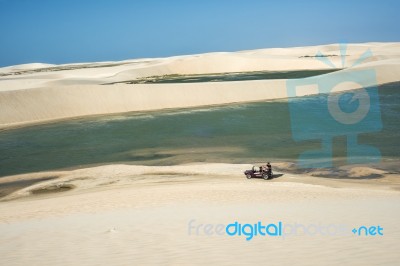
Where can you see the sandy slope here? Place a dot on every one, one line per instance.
(141, 215)
(75, 90)
(124, 215)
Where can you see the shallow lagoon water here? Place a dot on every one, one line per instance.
(234, 76)
(240, 133)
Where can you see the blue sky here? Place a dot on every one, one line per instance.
(66, 31)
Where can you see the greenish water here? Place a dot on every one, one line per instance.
(241, 133)
(238, 76)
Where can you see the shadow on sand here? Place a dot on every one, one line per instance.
(276, 176)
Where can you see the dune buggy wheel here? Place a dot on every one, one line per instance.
(265, 176)
(248, 176)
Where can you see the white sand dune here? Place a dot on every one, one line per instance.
(125, 175)
(126, 214)
(149, 215)
(45, 93)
